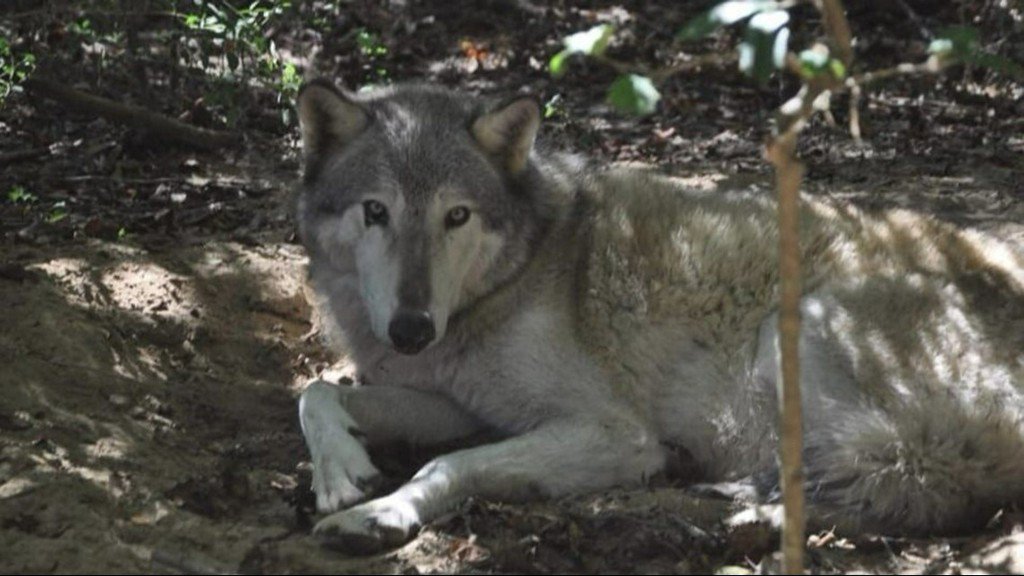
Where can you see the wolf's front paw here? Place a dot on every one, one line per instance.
(368, 528)
(342, 474)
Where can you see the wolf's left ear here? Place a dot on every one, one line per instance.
(328, 117)
(508, 132)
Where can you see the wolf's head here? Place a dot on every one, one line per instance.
(423, 199)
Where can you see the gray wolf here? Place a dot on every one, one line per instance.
(597, 318)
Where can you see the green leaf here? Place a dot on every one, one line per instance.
(591, 42)
(733, 571)
(779, 47)
(732, 12)
(724, 14)
(940, 46)
(960, 40)
(551, 107)
(557, 65)
(699, 27)
(837, 68)
(764, 45)
(19, 195)
(812, 62)
(997, 63)
(57, 214)
(634, 94)
(963, 43)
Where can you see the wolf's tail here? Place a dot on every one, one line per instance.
(944, 467)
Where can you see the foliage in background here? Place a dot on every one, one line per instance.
(18, 195)
(15, 66)
(763, 49)
(372, 48)
(232, 44)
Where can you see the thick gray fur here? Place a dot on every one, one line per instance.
(596, 317)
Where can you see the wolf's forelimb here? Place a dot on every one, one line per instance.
(342, 471)
(387, 414)
(337, 420)
(562, 457)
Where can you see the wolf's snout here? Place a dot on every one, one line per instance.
(411, 332)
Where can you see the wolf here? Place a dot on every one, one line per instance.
(598, 319)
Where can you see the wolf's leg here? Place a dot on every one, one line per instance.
(335, 418)
(389, 414)
(560, 458)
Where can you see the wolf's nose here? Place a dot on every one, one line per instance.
(410, 332)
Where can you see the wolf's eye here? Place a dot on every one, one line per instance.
(456, 217)
(375, 213)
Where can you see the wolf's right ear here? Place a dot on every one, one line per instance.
(328, 117)
(508, 132)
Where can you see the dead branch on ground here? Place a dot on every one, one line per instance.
(134, 116)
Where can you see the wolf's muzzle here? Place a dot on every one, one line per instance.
(411, 331)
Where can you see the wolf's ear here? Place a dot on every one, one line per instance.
(328, 117)
(508, 132)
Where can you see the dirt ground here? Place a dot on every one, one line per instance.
(154, 337)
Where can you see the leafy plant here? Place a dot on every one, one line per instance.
(591, 42)
(630, 92)
(57, 213)
(232, 43)
(634, 93)
(373, 49)
(763, 49)
(83, 28)
(14, 69)
(370, 43)
(962, 43)
(553, 107)
(18, 195)
(764, 46)
(238, 31)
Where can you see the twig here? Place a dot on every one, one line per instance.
(714, 59)
(104, 178)
(788, 174)
(621, 67)
(837, 28)
(658, 75)
(135, 116)
(916, 19)
(854, 84)
(21, 155)
(182, 564)
(932, 65)
(789, 171)
(855, 132)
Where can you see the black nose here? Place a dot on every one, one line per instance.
(410, 332)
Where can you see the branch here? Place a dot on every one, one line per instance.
(659, 75)
(21, 155)
(837, 28)
(135, 116)
(714, 59)
(933, 65)
(789, 171)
